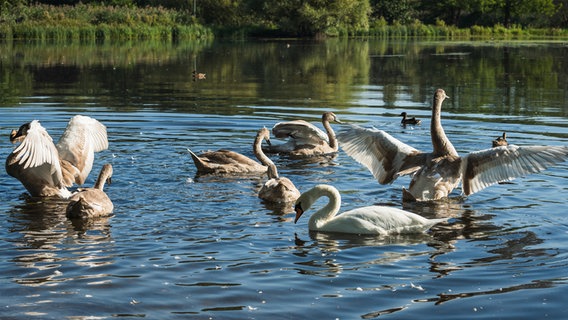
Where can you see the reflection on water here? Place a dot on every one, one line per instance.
(180, 244)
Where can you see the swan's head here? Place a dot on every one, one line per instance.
(299, 211)
(264, 134)
(18, 136)
(106, 172)
(440, 96)
(403, 114)
(330, 117)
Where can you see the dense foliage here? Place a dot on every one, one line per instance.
(309, 17)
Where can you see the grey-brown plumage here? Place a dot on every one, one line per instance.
(305, 139)
(92, 202)
(223, 162)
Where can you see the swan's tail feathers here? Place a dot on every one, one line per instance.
(199, 164)
(433, 222)
(407, 196)
(79, 209)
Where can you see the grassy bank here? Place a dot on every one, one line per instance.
(91, 23)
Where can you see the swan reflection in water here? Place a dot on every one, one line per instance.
(328, 255)
(44, 230)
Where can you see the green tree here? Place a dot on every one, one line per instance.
(401, 11)
(518, 11)
(313, 17)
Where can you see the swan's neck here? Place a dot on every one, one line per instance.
(100, 183)
(330, 134)
(329, 211)
(257, 150)
(440, 141)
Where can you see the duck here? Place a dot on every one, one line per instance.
(276, 189)
(198, 75)
(500, 141)
(305, 139)
(46, 169)
(369, 220)
(92, 202)
(226, 162)
(437, 173)
(406, 120)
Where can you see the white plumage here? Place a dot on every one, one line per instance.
(379, 220)
(46, 169)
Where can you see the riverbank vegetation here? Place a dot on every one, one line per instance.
(110, 20)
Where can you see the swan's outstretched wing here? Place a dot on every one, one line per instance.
(483, 168)
(37, 155)
(386, 157)
(82, 138)
(303, 132)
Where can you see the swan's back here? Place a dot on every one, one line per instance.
(89, 203)
(380, 220)
(301, 131)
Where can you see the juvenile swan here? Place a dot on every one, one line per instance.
(223, 162)
(378, 220)
(276, 189)
(305, 139)
(46, 169)
(436, 174)
(92, 202)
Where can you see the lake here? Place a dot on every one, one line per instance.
(180, 246)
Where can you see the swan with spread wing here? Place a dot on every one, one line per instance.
(47, 169)
(436, 174)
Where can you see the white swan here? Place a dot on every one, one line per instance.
(378, 220)
(277, 189)
(92, 202)
(46, 169)
(305, 139)
(222, 162)
(437, 173)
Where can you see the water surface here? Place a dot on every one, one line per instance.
(181, 246)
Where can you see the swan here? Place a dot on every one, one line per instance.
(305, 139)
(222, 162)
(436, 174)
(92, 202)
(277, 189)
(500, 141)
(46, 169)
(406, 120)
(379, 220)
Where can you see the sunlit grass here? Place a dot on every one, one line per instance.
(90, 22)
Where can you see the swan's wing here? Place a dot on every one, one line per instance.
(37, 155)
(81, 139)
(301, 131)
(483, 168)
(386, 157)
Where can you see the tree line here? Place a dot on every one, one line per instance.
(313, 17)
